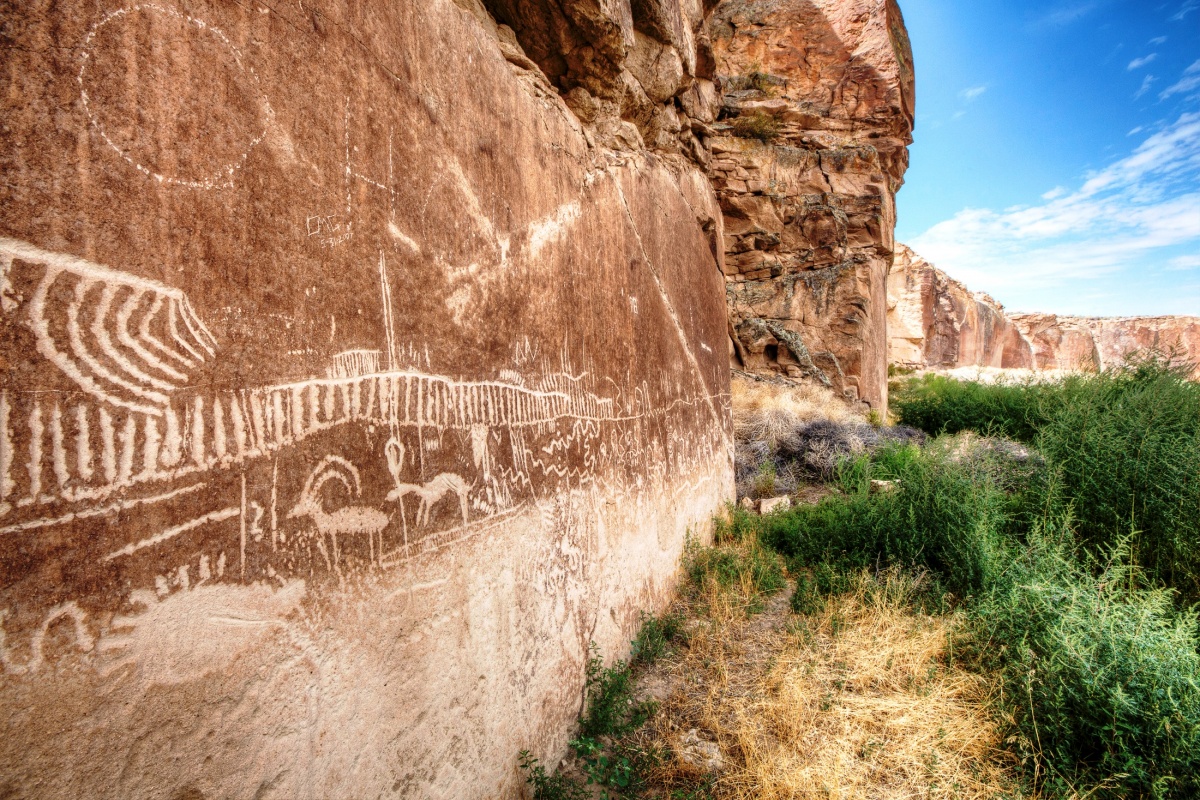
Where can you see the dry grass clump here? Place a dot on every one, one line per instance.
(765, 412)
(857, 700)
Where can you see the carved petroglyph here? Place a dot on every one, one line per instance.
(194, 631)
(431, 492)
(172, 532)
(82, 638)
(350, 520)
(129, 373)
(116, 118)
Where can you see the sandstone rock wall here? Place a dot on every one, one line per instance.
(808, 151)
(352, 385)
(936, 322)
(1085, 343)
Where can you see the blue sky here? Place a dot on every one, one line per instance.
(1057, 155)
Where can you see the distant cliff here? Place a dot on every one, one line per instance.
(938, 323)
(935, 321)
(1085, 343)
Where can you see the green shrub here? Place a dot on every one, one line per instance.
(618, 766)
(1125, 446)
(763, 127)
(1101, 676)
(943, 516)
(747, 566)
(740, 525)
(550, 787)
(937, 404)
(610, 710)
(655, 636)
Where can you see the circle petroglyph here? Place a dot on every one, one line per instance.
(172, 96)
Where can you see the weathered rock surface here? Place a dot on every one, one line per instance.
(1087, 343)
(808, 152)
(936, 322)
(351, 387)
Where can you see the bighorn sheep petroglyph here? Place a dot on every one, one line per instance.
(348, 520)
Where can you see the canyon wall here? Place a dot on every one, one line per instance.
(1088, 343)
(363, 364)
(936, 322)
(807, 155)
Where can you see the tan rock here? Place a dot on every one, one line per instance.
(937, 322)
(838, 74)
(700, 753)
(773, 504)
(353, 384)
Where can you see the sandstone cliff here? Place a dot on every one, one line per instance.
(808, 152)
(936, 322)
(1085, 343)
(363, 363)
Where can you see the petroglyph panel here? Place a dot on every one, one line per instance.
(349, 394)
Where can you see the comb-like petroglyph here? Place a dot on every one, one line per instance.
(351, 391)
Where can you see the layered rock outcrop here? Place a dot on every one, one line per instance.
(936, 322)
(362, 367)
(1088, 343)
(808, 151)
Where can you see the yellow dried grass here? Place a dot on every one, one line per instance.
(857, 701)
(765, 411)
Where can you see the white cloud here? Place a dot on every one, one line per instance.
(1189, 82)
(1157, 40)
(972, 93)
(1147, 82)
(1185, 262)
(1138, 63)
(1116, 220)
(1067, 14)
(1188, 7)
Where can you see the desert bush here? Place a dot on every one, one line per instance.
(937, 404)
(762, 127)
(1101, 676)
(945, 516)
(748, 566)
(655, 637)
(1123, 446)
(610, 709)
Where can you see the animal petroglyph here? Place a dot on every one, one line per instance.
(345, 521)
(431, 492)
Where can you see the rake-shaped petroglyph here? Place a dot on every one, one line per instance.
(125, 340)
